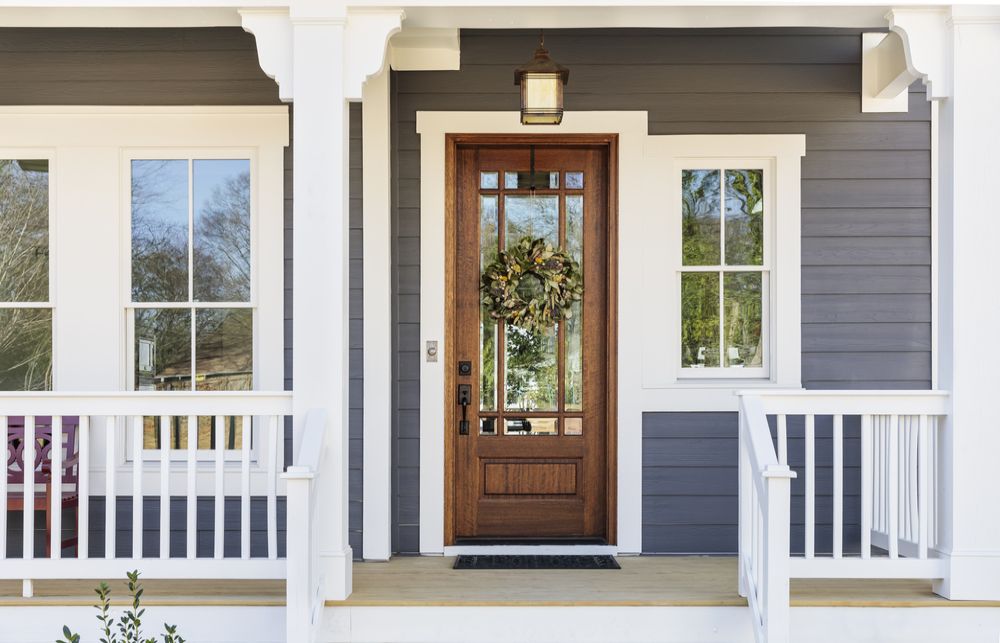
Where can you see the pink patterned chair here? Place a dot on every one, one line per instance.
(43, 470)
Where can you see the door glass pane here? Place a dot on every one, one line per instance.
(221, 230)
(699, 319)
(700, 209)
(224, 349)
(527, 180)
(530, 373)
(25, 349)
(574, 322)
(742, 319)
(24, 230)
(531, 426)
(489, 180)
(487, 426)
(163, 349)
(531, 217)
(574, 180)
(488, 248)
(573, 426)
(744, 217)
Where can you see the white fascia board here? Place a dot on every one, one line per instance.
(125, 17)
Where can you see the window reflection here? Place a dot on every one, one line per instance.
(163, 349)
(700, 209)
(531, 216)
(224, 349)
(25, 349)
(24, 231)
(159, 231)
(531, 374)
(221, 230)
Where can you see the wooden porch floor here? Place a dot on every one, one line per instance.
(662, 581)
(679, 581)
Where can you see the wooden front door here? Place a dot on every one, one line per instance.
(532, 462)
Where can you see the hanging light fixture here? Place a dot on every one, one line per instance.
(541, 82)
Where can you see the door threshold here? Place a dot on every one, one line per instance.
(527, 550)
(462, 542)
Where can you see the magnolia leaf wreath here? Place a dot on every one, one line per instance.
(531, 285)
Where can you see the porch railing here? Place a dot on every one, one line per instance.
(133, 487)
(884, 443)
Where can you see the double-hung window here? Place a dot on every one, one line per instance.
(726, 224)
(25, 274)
(192, 311)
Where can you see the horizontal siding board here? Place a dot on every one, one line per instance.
(867, 366)
(867, 164)
(866, 222)
(866, 251)
(858, 308)
(866, 193)
(866, 280)
(864, 337)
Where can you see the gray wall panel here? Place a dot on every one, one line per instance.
(866, 226)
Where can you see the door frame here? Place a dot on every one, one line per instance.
(452, 143)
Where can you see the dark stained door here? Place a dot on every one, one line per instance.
(533, 464)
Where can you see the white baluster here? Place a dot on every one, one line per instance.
(29, 487)
(164, 486)
(110, 501)
(912, 491)
(245, 430)
(923, 487)
(867, 490)
(83, 489)
(893, 499)
(137, 486)
(55, 486)
(838, 486)
(191, 510)
(3, 489)
(272, 483)
(220, 482)
(810, 526)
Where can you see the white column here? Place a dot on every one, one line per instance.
(320, 272)
(969, 309)
(377, 318)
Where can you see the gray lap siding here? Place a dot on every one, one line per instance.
(866, 249)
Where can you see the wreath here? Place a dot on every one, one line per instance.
(531, 285)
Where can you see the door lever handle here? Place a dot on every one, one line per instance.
(465, 399)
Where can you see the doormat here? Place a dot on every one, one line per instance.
(536, 562)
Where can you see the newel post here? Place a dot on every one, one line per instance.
(956, 51)
(775, 581)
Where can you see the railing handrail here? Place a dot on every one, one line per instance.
(764, 461)
(203, 403)
(847, 402)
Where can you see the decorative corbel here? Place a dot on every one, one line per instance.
(273, 30)
(926, 36)
(366, 44)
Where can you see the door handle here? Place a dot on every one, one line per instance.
(465, 399)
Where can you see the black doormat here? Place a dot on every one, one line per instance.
(536, 562)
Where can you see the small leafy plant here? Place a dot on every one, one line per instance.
(128, 627)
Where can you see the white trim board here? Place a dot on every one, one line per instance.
(641, 161)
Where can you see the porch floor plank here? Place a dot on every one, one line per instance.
(661, 581)
(70, 593)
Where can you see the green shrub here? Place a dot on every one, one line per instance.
(128, 627)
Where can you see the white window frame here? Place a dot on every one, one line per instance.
(666, 384)
(49, 155)
(766, 165)
(191, 154)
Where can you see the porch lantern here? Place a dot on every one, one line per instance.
(541, 82)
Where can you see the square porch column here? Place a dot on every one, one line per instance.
(320, 278)
(969, 127)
